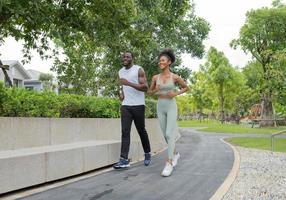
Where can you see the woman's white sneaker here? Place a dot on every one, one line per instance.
(167, 171)
(175, 159)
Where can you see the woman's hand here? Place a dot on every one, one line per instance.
(153, 91)
(172, 94)
(157, 88)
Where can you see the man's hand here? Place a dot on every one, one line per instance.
(121, 96)
(123, 81)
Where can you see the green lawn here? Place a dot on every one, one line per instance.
(215, 126)
(259, 143)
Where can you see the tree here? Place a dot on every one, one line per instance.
(185, 106)
(47, 80)
(263, 35)
(156, 29)
(278, 76)
(223, 80)
(253, 74)
(35, 22)
(202, 96)
(93, 34)
(277, 3)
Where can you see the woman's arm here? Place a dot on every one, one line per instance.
(183, 87)
(153, 87)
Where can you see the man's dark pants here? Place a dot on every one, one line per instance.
(128, 114)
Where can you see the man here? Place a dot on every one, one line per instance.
(132, 78)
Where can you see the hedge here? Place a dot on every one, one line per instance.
(18, 102)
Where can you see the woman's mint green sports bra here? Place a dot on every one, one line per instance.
(164, 88)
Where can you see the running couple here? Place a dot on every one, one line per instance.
(134, 84)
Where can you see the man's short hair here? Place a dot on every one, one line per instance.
(130, 53)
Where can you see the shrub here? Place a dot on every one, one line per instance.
(150, 109)
(17, 102)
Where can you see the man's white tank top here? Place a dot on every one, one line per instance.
(132, 97)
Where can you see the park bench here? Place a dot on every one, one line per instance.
(257, 121)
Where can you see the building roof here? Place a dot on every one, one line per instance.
(35, 75)
(19, 66)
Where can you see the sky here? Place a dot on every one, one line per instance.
(225, 17)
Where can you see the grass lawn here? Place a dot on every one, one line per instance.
(215, 126)
(259, 143)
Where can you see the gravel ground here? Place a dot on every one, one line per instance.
(262, 176)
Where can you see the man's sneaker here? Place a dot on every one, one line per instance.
(167, 171)
(175, 159)
(147, 159)
(122, 164)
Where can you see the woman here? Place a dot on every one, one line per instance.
(164, 85)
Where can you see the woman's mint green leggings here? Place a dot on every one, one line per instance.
(167, 115)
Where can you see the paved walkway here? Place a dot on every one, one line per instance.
(203, 167)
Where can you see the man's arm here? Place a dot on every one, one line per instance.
(142, 82)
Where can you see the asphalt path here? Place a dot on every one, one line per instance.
(204, 165)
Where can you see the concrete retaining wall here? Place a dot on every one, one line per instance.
(39, 150)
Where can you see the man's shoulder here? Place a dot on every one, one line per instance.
(137, 66)
(134, 67)
(121, 70)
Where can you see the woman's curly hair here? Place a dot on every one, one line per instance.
(169, 53)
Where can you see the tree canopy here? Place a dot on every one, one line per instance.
(92, 34)
(264, 36)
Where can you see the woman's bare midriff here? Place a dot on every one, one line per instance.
(165, 96)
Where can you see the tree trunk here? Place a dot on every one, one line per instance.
(6, 74)
(221, 104)
(200, 114)
(267, 113)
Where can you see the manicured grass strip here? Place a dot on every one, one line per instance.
(259, 143)
(215, 126)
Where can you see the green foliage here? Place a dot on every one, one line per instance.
(223, 86)
(202, 95)
(277, 76)
(3, 96)
(92, 35)
(263, 35)
(46, 77)
(280, 110)
(23, 103)
(185, 105)
(277, 3)
(15, 102)
(47, 80)
(77, 106)
(253, 72)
